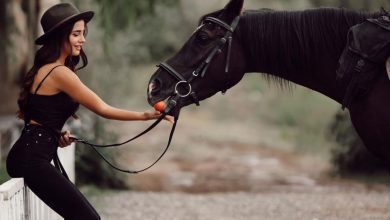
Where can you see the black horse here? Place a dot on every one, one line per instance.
(290, 46)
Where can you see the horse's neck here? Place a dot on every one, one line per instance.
(302, 47)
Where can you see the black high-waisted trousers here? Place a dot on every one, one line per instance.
(30, 158)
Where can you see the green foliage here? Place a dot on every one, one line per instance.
(91, 169)
(133, 29)
(121, 13)
(117, 16)
(370, 5)
(302, 115)
(154, 44)
(299, 115)
(350, 156)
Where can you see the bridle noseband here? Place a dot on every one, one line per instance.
(204, 65)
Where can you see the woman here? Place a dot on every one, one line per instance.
(51, 93)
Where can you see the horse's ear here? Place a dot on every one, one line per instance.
(232, 10)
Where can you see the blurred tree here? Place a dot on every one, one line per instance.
(366, 4)
(18, 20)
(370, 5)
(115, 17)
(344, 4)
(3, 39)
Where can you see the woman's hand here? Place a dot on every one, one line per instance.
(153, 114)
(65, 139)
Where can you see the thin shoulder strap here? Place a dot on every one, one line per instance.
(40, 84)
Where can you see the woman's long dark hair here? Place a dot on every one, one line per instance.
(48, 53)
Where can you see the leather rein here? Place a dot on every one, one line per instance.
(177, 94)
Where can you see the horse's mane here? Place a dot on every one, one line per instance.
(289, 42)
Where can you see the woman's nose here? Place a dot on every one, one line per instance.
(82, 39)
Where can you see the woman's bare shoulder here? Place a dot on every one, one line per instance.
(59, 74)
(62, 77)
(51, 67)
(41, 77)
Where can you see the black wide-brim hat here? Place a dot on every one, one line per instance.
(58, 16)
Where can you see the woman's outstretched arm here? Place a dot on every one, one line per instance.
(67, 81)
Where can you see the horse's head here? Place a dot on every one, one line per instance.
(210, 61)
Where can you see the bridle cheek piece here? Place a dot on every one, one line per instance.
(204, 65)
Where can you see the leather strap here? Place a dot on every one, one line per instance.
(44, 78)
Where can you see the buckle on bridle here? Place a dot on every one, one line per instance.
(181, 94)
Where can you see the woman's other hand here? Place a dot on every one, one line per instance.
(153, 114)
(65, 139)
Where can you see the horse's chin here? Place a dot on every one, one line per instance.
(181, 103)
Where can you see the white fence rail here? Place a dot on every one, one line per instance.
(18, 202)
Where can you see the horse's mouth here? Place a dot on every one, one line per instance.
(154, 100)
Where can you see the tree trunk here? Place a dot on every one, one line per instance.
(366, 4)
(15, 50)
(344, 4)
(19, 22)
(3, 41)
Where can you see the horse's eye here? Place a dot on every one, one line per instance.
(203, 39)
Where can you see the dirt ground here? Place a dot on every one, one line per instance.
(307, 203)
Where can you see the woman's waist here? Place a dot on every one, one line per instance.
(52, 125)
(35, 128)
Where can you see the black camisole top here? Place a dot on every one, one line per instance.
(50, 110)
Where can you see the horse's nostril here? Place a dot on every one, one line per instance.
(154, 87)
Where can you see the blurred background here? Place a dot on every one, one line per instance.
(255, 137)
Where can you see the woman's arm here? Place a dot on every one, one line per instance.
(68, 82)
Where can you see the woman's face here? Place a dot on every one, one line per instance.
(76, 39)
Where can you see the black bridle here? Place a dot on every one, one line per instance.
(201, 70)
(177, 94)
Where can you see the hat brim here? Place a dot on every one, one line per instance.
(86, 16)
